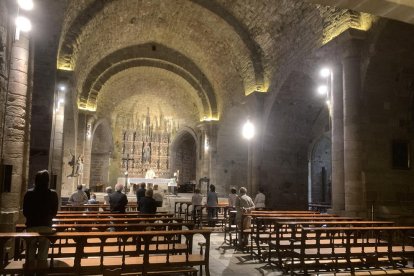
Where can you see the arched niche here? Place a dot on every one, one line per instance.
(297, 117)
(102, 148)
(320, 186)
(183, 155)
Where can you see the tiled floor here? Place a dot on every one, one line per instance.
(225, 260)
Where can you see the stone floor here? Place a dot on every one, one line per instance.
(225, 260)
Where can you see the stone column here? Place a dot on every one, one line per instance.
(208, 149)
(15, 135)
(255, 105)
(353, 138)
(338, 187)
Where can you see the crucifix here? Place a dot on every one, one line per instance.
(127, 159)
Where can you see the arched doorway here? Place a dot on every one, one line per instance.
(102, 148)
(320, 172)
(184, 157)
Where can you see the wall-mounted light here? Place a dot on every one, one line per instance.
(206, 143)
(62, 87)
(22, 25)
(88, 131)
(25, 4)
(325, 72)
(248, 130)
(322, 90)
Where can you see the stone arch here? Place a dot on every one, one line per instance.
(145, 55)
(296, 116)
(101, 151)
(320, 171)
(183, 154)
(70, 42)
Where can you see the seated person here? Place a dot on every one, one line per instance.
(148, 205)
(158, 196)
(118, 200)
(79, 197)
(93, 199)
(108, 192)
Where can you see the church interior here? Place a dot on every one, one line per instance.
(311, 101)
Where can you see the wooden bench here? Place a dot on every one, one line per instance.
(65, 248)
(259, 217)
(284, 233)
(115, 215)
(115, 220)
(350, 248)
(144, 260)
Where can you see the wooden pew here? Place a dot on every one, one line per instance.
(66, 248)
(351, 248)
(260, 216)
(115, 215)
(144, 261)
(286, 234)
(131, 206)
(114, 220)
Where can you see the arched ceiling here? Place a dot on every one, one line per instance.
(217, 51)
(401, 10)
(130, 92)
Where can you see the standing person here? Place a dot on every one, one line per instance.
(118, 200)
(157, 196)
(232, 205)
(212, 202)
(148, 205)
(196, 201)
(232, 197)
(140, 194)
(260, 200)
(40, 205)
(244, 205)
(79, 197)
(108, 191)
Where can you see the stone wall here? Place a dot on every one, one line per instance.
(388, 107)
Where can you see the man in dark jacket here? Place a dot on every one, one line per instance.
(118, 200)
(40, 205)
(140, 194)
(148, 205)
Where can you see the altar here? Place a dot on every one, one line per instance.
(133, 182)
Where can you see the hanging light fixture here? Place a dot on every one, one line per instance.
(248, 130)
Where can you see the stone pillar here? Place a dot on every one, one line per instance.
(85, 138)
(338, 187)
(207, 149)
(255, 105)
(16, 137)
(353, 138)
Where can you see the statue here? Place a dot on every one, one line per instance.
(72, 164)
(146, 153)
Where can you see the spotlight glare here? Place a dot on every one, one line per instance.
(25, 4)
(23, 24)
(325, 72)
(322, 90)
(62, 87)
(248, 130)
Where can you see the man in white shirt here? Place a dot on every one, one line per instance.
(79, 197)
(260, 200)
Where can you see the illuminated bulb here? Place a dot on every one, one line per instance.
(248, 130)
(325, 72)
(25, 4)
(62, 87)
(322, 90)
(23, 24)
